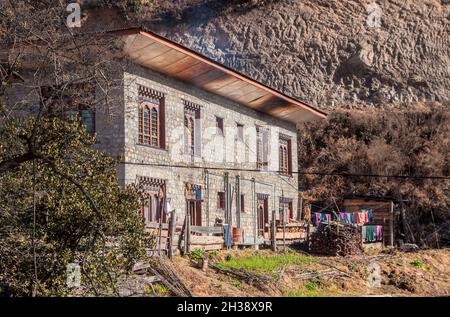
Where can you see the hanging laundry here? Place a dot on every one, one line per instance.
(317, 218)
(361, 218)
(370, 233)
(342, 216)
(198, 194)
(348, 217)
(370, 215)
(379, 233)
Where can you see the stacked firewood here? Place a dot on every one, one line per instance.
(336, 239)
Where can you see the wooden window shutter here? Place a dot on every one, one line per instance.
(265, 141)
(154, 130)
(197, 134)
(259, 148)
(162, 124)
(289, 157)
(141, 124)
(186, 134)
(221, 200)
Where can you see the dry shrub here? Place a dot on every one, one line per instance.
(384, 142)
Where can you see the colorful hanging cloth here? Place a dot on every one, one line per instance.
(370, 215)
(379, 233)
(317, 218)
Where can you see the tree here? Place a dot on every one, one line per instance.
(60, 201)
(81, 215)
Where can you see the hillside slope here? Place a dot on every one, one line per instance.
(322, 51)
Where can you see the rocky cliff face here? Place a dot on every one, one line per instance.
(325, 52)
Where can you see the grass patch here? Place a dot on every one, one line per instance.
(313, 288)
(265, 263)
(419, 264)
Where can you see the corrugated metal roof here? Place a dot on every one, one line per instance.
(165, 56)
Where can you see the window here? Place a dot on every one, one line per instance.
(192, 129)
(240, 131)
(242, 203)
(286, 204)
(73, 102)
(153, 190)
(285, 156)
(262, 147)
(219, 125)
(221, 200)
(151, 118)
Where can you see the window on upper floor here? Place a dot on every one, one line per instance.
(262, 147)
(219, 125)
(75, 101)
(192, 129)
(240, 131)
(285, 155)
(151, 118)
(221, 200)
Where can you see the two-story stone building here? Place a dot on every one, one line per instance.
(217, 143)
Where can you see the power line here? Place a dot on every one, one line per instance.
(235, 169)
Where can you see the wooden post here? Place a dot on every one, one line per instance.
(308, 225)
(188, 233)
(207, 197)
(161, 213)
(284, 221)
(284, 230)
(300, 209)
(255, 212)
(238, 201)
(171, 234)
(391, 225)
(186, 229)
(273, 231)
(182, 237)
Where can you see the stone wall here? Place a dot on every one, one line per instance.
(217, 151)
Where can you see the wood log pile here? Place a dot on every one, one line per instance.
(336, 239)
(162, 269)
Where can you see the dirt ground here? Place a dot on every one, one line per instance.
(419, 273)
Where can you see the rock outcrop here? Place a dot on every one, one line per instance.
(325, 52)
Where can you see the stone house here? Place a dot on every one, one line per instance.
(214, 142)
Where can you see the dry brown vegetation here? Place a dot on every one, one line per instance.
(422, 273)
(391, 142)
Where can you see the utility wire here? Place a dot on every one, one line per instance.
(293, 172)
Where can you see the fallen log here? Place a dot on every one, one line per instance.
(259, 281)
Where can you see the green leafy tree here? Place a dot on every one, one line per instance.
(66, 206)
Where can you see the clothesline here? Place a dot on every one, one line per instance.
(360, 218)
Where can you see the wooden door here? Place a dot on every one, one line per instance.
(262, 209)
(195, 210)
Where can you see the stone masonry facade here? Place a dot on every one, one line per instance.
(219, 153)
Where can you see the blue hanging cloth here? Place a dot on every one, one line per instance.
(227, 236)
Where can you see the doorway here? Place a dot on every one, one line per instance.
(262, 209)
(194, 209)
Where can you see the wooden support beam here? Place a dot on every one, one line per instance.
(171, 234)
